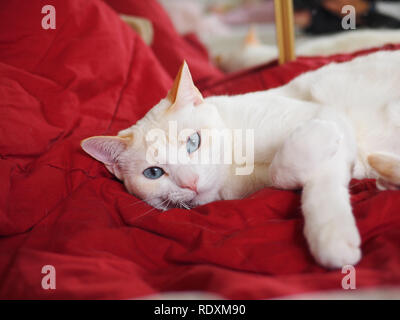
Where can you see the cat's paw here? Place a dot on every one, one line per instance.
(335, 244)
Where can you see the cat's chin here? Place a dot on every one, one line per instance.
(174, 205)
(196, 201)
(204, 198)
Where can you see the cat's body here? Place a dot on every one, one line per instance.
(363, 95)
(317, 132)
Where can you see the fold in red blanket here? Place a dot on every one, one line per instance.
(93, 75)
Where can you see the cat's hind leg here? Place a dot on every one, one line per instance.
(387, 166)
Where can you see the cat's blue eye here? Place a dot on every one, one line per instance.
(153, 172)
(193, 143)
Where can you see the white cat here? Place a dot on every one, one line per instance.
(316, 133)
(253, 53)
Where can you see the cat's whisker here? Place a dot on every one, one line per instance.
(152, 209)
(167, 205)
(184, 205)
(137, 202)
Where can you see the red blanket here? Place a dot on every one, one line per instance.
(93, 75)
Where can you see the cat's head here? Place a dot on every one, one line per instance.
(158, 157)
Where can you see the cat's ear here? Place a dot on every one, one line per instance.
(251, 38)
(183, 91)
(106, 149)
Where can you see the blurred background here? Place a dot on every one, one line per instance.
(241, 33)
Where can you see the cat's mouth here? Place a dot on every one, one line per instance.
(184, 200)
(169, 203)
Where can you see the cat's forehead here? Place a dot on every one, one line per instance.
(167, 124)
(165, 121)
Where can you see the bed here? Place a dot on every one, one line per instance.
(94, 75)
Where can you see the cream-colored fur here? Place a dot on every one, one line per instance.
(254, 54)
(315, 133)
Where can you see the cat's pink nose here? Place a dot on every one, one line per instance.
(192, 184)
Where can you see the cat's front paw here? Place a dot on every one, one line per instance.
(335, 244)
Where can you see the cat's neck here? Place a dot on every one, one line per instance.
(240, 186)
(272, 116)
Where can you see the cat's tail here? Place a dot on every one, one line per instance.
(387, 166)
